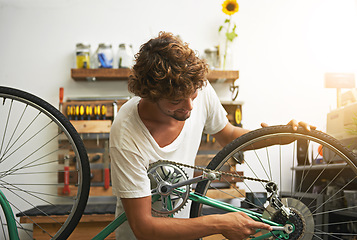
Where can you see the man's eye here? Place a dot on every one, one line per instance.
(175, 102)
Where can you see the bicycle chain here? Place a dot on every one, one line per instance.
(214, 171)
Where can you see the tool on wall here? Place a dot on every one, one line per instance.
(88, 112)
(60, 98)
(115, 109)
(103, 111)
(106, 165)
(208, 138)
(66, 190)
(81, 112)
(97, 112)
(69, 112)
(235, 90)
(238, 117)
(76, 112)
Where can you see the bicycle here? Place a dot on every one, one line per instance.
(290, 167)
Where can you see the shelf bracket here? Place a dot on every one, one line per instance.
(234, 90)
(91, 79)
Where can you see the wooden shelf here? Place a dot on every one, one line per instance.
(122, 74)
(88, 227)
(100, 74)
(223, 76)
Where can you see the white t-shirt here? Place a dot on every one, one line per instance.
(132, 147)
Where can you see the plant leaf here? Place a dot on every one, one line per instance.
(231, 36)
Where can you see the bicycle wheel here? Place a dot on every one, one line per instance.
(311, 171)
(44, 169)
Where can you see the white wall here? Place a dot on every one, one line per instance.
(282, 52)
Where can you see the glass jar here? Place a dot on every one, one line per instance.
(125, 56)
(104, 55)
(83, 55)
(212, 57)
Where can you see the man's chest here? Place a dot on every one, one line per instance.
(166, 134)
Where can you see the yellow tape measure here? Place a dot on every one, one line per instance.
(238, 116)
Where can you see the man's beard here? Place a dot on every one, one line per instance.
(176, 115)
(181, 118)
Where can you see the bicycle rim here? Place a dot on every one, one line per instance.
(311, 170)
(39, 151)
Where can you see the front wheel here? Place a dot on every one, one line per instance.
(313, 172)
(44, 169)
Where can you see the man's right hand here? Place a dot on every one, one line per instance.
(239, 225)
(234, 226)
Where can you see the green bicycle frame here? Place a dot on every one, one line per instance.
(13, 234)
(230, 208)
(10, 219)
(206, 201)
(117, 222)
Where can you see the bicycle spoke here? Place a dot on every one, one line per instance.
(293, 175)
(32, 153)
(325, 188)
(333, 235)
(280, 167)
(29, 193)
(6, 125)
(29, 218)
(304, 174)
(8, 147)
(339, 223)
(269, 163)
(339, 191)
(33, 120)
(3, 229)
(41, 193)
(251, 169)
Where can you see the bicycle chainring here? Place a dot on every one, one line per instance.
(162, 174)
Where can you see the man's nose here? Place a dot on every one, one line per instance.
(189, 104)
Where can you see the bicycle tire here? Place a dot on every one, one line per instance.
(35, 142)
(337, 164)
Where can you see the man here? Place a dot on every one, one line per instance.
(174, 104)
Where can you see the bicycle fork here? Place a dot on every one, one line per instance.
(10, 219)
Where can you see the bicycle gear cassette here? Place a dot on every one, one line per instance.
(300, 217)
(169, 200)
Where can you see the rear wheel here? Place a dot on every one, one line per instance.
(313, 174)
(44, 169)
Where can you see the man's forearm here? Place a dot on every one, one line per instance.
(176, 228)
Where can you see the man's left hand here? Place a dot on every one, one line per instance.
(295, 124)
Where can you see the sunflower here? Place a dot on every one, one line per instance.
(230, 7)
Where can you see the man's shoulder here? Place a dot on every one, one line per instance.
(126, 113)
(131, 103)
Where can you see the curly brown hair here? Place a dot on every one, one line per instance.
(167, 68)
